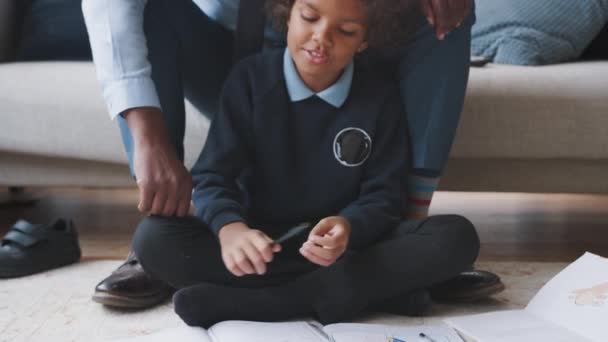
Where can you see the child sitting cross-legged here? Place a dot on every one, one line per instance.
(306, 134)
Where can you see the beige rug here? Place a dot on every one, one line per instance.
(56, 306)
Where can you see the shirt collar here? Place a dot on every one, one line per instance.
(335, 95)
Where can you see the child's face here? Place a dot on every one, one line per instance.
(323, 36)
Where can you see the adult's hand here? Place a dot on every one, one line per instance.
(165, 186)
(446, 15)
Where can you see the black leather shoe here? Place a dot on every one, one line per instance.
(468, 286)
(129, 286)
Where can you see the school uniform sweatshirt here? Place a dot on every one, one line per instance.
(271, 163)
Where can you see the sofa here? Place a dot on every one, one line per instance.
(523, 129)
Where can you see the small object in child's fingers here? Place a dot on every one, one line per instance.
(394, 339)
(293, 232)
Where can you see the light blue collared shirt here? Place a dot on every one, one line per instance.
(335, 95)
(118, 43)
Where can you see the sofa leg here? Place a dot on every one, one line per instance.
(16, 196)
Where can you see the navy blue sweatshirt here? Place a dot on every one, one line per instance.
(272, 163)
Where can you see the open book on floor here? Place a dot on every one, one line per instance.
(571, 307)
(245, 331)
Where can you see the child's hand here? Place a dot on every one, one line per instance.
(327, 241)
(246, 250)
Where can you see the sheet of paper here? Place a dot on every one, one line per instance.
(181, 334)
(577, 298)
(352, 332)
(511, 326)
(241, 331)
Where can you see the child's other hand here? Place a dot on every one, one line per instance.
(246, 250)
(327, 241)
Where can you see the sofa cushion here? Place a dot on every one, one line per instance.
(55, 109)
(546, 112)
(526, 32)
(509, 112)
(54, 30)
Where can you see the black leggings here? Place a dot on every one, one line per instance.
(416, 254)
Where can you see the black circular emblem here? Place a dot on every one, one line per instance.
(352, 146)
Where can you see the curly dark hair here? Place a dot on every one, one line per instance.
(391, 22)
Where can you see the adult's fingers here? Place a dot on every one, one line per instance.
(461, 9)
(467, 6)
(179, 193)
(458, 8)
(146, 196)
(171, 203)
(441, 9)
(427, 11)
(184, 198)
(183, 207)
(158, 204)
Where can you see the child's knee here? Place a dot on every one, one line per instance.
(154, 236)
(147, 237)
(460, 235)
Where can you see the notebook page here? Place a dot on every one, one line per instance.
(356, 332)
(241, 331)
(577, 298)
(511, 326)
(181, 334)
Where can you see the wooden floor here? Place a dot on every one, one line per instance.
(512, 226)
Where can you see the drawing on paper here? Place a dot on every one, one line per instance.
(592, 296)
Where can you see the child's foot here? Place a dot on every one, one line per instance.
(414, 303)
(206, 304)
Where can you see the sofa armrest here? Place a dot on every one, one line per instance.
(9, 14)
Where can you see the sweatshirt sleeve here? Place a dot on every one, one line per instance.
(378, 207)
(217, 197)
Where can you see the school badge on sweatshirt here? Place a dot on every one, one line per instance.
(352, 146)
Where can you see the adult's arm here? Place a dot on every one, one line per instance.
(118, 43)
